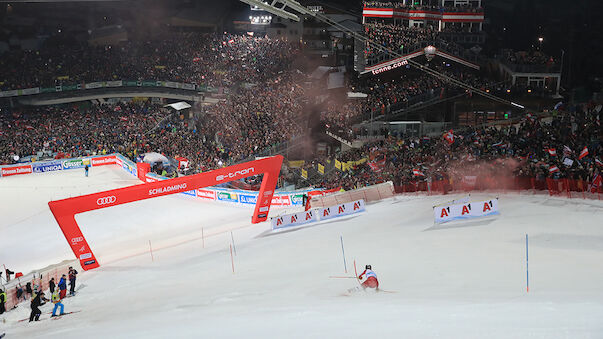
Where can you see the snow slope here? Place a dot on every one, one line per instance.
(463, 280)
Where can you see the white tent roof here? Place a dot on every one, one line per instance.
(154, 157)
(179, 105)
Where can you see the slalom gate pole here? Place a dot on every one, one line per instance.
(233, 244)
(355, 271)
(527, 271)
(202, 237)
(151, 250)
(345, 266)
(231, 259)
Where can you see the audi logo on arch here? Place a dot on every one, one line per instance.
(106, 200)
(77, 240)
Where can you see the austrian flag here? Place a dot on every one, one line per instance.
(583, 153)
(552, 152)
(553, 169)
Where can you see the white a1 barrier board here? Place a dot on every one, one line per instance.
(301, 218)
(295, 219)
(341, 209)
(476, 209)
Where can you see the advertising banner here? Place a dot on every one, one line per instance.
(150, 179)
(29, 91)
(341, 210)
(206, 194)
(444, 213)
(191, 193)
(100, 161)
(92, 85)
(117, 83)
(129, 167)
(281, 200)
(227, 196)
(11, 93)
(188, 86)
(8, 171)
(75, 163)
(297, 199)
(295, 219)
(248, 199)
(47, 167)
(321, 169)
(171, 84)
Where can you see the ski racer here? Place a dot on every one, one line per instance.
(371, 278)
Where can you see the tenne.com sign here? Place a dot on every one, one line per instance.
(390, 67)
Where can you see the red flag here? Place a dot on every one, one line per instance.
(418, 173)
(553, 169)
(552, 152)
(583, 153)
(597, 181)
(598, 162)
(117, 109)
(196, 59)
(449, 137)
(123, 118)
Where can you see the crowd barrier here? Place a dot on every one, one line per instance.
(569, 188)
(41, 278)
(107, 84)
(314, 215)
(233, 196)
(368, 194)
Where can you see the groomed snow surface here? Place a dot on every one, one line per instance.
(460, 280)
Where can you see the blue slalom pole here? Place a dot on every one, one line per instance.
(345, 266)
(527, 271)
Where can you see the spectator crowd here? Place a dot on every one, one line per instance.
(566, 145)
(204, 59)
(426, 6)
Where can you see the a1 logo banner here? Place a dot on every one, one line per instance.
(341, 210)
(295, 219)
(444, 213)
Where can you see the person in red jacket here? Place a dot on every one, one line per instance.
(371, 278)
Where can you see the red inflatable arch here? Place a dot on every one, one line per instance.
(64, 211)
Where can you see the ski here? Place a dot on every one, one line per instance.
(61, 315)
(26, 319)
